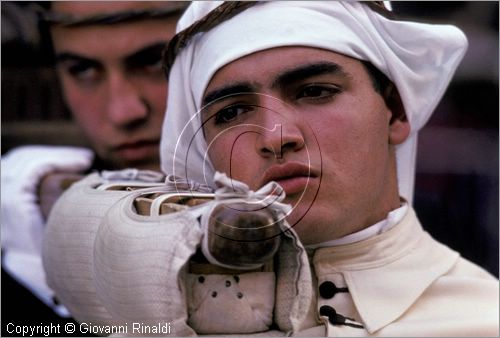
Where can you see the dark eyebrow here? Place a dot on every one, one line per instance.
(145, 54)
(286, 77)
(306, 71)
(231, 89)
(137, 57)
(68, 56)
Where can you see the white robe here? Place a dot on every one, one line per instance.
(405, 283)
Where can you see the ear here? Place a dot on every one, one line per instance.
(399, 127)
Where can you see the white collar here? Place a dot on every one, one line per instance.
(393, 218)
(399, 265)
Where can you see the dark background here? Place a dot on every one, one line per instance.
(456, 188)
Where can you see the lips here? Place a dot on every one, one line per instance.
(294, 177)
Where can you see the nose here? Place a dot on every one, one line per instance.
(126, 106)
(279, 135)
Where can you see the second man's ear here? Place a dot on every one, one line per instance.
(398, 124)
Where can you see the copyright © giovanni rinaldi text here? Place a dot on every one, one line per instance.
(69, 328)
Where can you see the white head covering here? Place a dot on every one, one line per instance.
(419, 58)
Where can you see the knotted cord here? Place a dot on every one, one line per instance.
(271, 194)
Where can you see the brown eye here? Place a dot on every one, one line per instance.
(231, 113)
(81, 71)
(317, 91)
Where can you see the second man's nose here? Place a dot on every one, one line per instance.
(126, 107)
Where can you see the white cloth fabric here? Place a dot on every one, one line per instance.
(419, 58)
(22, 220)
(393, 218)
(404, 283)
(242, 303)
(111, 265)
(400, 283)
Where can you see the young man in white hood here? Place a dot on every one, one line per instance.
(326, 99)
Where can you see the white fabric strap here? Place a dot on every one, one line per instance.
(155, 208)
(180, 184)
(175, 185)
(130, 174)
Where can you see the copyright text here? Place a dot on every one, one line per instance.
(101, 330)
(34, 330)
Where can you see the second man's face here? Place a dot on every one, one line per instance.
(311, 120)
(113, 81)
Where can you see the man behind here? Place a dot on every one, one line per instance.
(108, 60)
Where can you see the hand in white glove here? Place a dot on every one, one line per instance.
(23, 169)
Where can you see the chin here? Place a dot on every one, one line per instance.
(313, 223)
(307, 233)
(302, 222)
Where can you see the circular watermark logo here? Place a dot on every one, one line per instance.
(256, 140)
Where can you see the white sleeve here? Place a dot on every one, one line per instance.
(21, 218)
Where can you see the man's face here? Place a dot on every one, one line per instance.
(317, 126)
(113, 82)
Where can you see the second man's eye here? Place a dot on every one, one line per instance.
(147, 61)
(148, 64)
(82, 71)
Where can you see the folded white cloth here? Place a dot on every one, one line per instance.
(114, 262)
(22, 222)
(68, 247)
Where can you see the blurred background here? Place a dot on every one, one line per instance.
(456, 188)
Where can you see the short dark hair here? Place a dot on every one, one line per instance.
(379, 80)
(381, 84)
